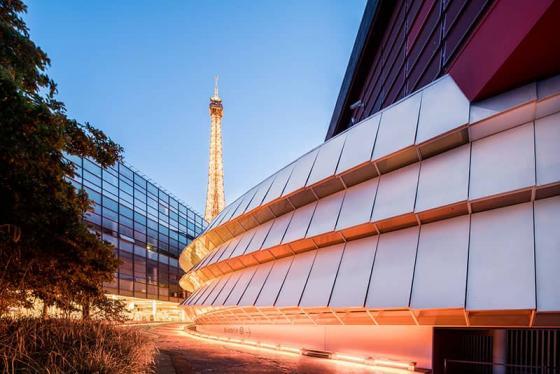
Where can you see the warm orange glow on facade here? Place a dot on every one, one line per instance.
(327, 257)
(378, 365)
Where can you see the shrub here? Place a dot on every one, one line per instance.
(73, 346)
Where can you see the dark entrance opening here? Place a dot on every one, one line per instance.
(496, 351)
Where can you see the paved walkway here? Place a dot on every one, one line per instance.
(183, 354)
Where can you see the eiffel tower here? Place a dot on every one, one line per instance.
(215, 199)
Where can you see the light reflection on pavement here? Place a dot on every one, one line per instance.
(191, 355)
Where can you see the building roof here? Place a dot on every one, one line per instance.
(365, 32)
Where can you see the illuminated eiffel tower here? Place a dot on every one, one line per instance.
(215, 199)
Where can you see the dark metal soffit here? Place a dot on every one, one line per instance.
(364, 33)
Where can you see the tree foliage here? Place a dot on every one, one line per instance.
(46, 250)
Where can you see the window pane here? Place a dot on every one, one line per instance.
(126, 263)
(152, 272)
(92, 168)
(139, 268)
(126, 172)
(152, 255)
(111, 204)
(110, 178)
(140, 181)
(127, 212)
(125, 246)
(125, 221)
(93, 195)
(152, 189)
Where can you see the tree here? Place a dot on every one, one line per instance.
(46, 250)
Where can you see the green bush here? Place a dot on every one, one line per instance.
(31, 345)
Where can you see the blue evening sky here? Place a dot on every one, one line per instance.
(142, 71)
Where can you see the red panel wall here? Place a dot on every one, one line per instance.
(419, 42)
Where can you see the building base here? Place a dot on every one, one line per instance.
(400, 345)
(146, 310)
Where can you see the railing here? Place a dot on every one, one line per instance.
(465, 366)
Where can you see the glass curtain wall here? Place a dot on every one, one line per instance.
(147, 226)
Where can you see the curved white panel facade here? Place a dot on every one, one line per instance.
(433, 212)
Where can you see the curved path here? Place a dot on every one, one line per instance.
(181, 353)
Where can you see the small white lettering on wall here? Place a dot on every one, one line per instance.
(242, 331)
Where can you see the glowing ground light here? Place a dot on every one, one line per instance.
(380, 365)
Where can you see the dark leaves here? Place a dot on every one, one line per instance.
(57, 258)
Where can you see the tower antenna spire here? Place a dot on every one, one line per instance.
(216, 93)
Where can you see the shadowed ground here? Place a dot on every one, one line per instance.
(181, 353)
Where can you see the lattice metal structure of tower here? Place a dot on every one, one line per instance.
(215, 199)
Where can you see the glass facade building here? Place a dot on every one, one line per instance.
(147, 226)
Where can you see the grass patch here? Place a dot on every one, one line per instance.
(32, 345)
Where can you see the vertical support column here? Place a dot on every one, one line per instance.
(499, 351)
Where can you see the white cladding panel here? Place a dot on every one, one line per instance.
(548, 93)
(194, 295)
(274, 282)
(444, 108)
(232, 208)
(214, 293)
(216, 219)
(397, 129)
(302, 168)
(208, 258)
(440, 275)
(215, 256)
(261, 193)
(299, 223)
(294, 284)
(232, 246)
(277, 231)
(444, 179)
(502, 112)
(393, 269)
(396, 193)
(326, 214)
(351, 283)
(279, 184)
(547, 252)
(255, 285)
(548, 87)
(204, 291)
(244, 241)
(358, 204)
(245, 201)
(321, 279)
(237, 292)
(503, 162)
(260, 235)
(358, 148)
(506, 101)
(224, 293)
(547, 138)
(327, 159)
(501, 271)
(199, 296)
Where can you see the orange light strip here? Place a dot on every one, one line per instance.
(242, 343)
(383, 365)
